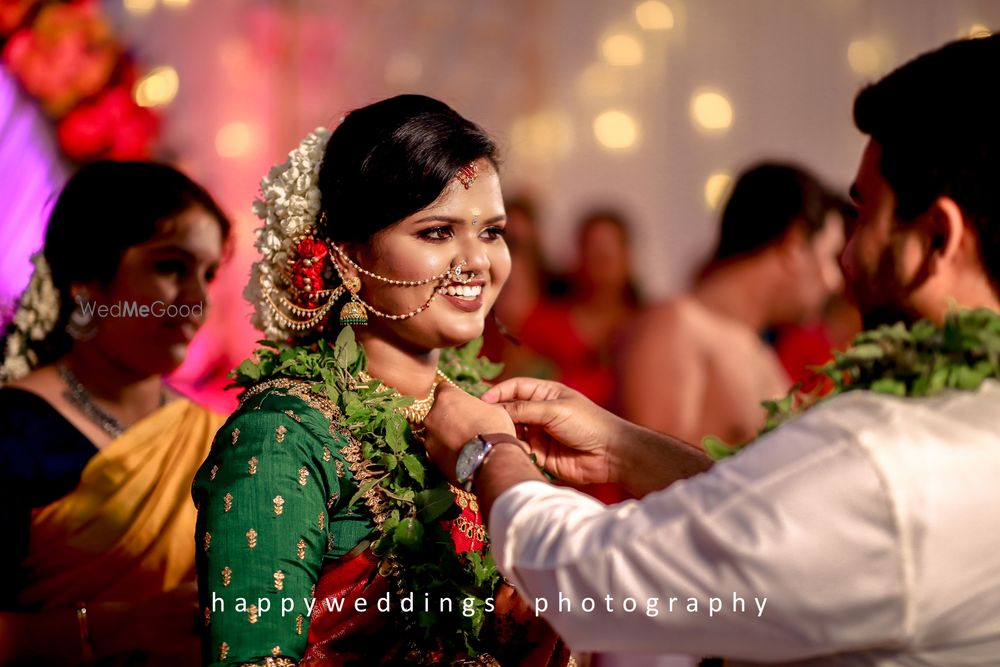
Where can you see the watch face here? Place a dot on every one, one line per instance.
(468, 458)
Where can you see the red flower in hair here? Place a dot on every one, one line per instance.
(307, 271)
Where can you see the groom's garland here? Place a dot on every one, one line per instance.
(418, 497)
(921, 360)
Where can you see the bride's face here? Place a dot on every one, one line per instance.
(463, 224)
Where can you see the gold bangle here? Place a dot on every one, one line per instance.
(86, 644)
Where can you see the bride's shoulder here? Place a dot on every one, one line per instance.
(289, 407)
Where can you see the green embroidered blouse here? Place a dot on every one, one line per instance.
(272, 500)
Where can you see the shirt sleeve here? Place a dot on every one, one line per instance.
(787, 551)
(266, 496)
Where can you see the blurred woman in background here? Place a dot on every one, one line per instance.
(97, 454)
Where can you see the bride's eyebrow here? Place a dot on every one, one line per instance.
(458, 221)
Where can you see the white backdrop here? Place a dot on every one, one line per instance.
(533, 73)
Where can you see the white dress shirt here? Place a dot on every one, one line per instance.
(871, 525)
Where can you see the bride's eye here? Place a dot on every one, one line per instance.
(494, 232)
(436, 233)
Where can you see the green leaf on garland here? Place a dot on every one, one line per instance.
(716, 448)
(433, 504)
(889, 386)
(408, 534)
(414, 467)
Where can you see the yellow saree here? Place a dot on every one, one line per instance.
(127, 531)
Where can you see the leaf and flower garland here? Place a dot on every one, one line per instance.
(419, 498)
(921, 360)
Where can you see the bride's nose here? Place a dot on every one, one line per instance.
(476, 257)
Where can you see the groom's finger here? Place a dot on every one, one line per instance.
(539, 413)
(522, 389)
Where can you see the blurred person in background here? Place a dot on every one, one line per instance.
(802, 346)
(697, 364)
(581, 333)
(526, 287)
(97, 453)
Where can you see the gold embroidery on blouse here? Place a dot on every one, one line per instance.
(279, 433)
(465, 499)
(334, 497)
(326, 453)
(227, 576)
(329, 540)
(212, 473)
(227, 502)
(470, 529)
(252, 614)
(235, 436)
(252, 538)
(252, 465)
(207, 541)
(298, 624)
(279, 580)
(322, 517)
(303, 475)
(272, 662)
(276, 651)
(340, 468)
(301, 548)
(223, 651)
(291, 413)
(279, 505)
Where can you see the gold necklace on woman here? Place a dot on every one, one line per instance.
(417, 411)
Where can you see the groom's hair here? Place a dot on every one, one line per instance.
(937, 122)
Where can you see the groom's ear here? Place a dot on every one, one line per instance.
(946, 238)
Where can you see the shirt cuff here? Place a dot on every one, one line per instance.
(514, 507)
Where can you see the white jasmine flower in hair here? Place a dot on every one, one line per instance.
(14, 344)
(15, 368)
(25, 317)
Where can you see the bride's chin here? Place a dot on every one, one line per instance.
(457, 336)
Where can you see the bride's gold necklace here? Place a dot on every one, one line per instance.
(415, 412)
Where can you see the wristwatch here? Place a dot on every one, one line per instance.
(474, 453)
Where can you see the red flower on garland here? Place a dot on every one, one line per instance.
(66, 56)
(307, 271)
(113, 126)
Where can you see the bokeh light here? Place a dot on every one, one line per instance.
(712, 111)
(717, 188)
(542, 136)
(654, 15)
(616, 130)
(139, 7)
(864, 57)
(622, 50)
(978, 30)
(234, 140)
(158, 88)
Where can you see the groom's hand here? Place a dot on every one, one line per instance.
(570, 435)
